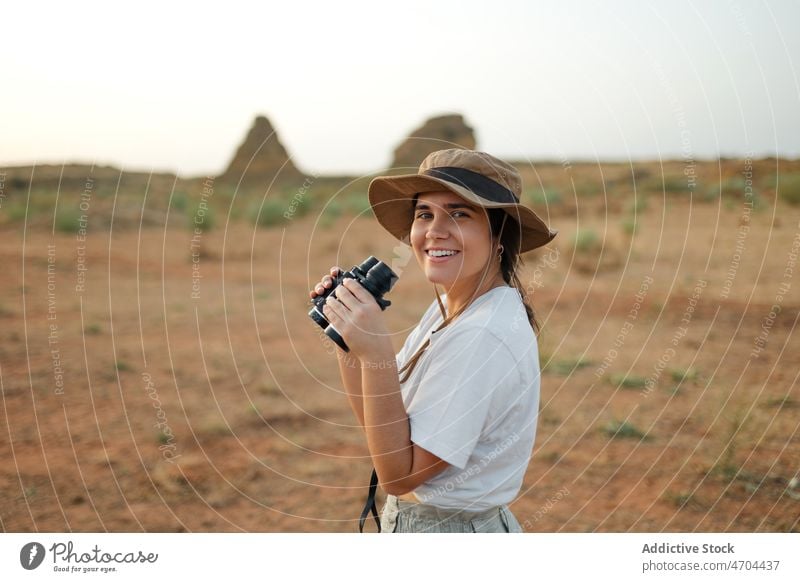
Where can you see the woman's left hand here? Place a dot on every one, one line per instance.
(359, 320)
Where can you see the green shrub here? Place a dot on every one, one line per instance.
(92, 328)
(683, 499)
(586, 241)
(673, 184)
(681, 375)
(623, 429)
(637, 204)
(592, 188)
(629, 225)
(627, 381)
(735, 185)
(789, 188)
(332, 211)
(357, 203)
(268, 214)
(179, 200)
(202, 218)
(67, 220)
(544, 197)
(566, 366)
(782, 402)
(16, 212)
(665, 184)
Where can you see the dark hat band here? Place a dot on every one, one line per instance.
(477, 183)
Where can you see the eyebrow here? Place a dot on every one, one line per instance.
(449, 205)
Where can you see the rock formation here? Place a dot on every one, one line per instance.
(260, 158)
(437, 133)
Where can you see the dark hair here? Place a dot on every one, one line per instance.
(504, 227)
(507, 228)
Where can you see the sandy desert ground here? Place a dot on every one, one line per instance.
(156, 379)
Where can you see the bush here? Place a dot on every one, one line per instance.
(638, 204)
(627, 381)
(93, 328)
(544, 197)
(565, 367)
(735, 185)
(665, 184)
(788, 188)
(16, 211)
(268, 214)
(592, 188)
(179, 200)
(202, 218)
(681, 375)
(591, 255)
(67, 220)
(629, 225)
(675, 184)
(298, 205)
(623, 429)
(586, 241)
(332, 211)
(358, 204)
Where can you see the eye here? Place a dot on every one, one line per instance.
(423, 214)
(459, 212)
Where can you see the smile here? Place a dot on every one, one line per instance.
(439, 255)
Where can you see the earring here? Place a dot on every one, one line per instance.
(500, 250)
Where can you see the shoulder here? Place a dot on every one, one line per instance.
(502, 319)
(470, 344)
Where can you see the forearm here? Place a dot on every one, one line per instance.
(385, 420)
(350, 370)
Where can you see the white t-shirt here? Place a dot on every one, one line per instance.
(473, 400)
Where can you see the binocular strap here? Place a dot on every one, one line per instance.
(370, 504)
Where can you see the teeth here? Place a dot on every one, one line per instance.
(441, 253)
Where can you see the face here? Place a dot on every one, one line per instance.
(452, 241)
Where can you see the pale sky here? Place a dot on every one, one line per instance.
(154, 86)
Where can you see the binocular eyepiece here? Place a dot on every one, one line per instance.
(374, 275)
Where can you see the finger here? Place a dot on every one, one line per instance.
(335, 271)
(357, 290)
(345, 298)
(333, 310)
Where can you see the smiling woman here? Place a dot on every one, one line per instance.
(450, 424)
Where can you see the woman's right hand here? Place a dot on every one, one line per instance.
(325, 283)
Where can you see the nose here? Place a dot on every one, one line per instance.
(438, 227)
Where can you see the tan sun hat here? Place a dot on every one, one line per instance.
(477, 177)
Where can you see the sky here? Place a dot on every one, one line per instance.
(174, 87)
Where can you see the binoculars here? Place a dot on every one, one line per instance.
(374, 275)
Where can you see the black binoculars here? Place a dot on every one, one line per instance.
(374, 275)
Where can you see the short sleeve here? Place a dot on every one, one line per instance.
(450, 407)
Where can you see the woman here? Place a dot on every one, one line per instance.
(450, 421)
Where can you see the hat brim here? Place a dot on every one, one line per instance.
(391, 199)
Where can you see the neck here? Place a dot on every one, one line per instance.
(460, 294)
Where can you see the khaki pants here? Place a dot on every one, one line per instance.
(400, 516)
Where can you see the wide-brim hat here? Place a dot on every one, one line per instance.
(477, 177)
